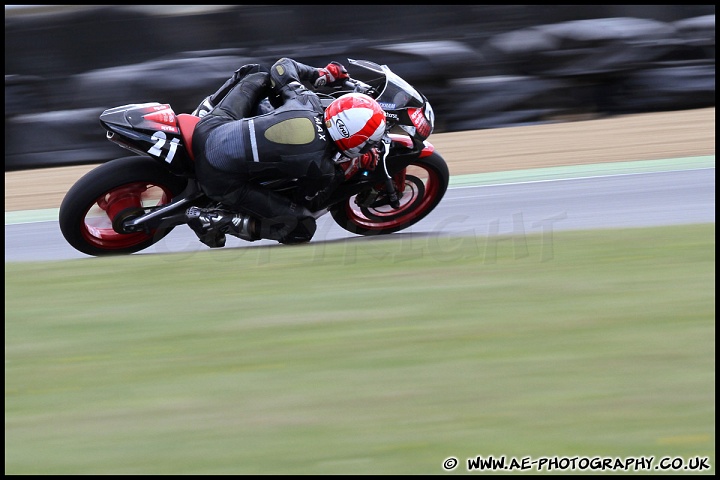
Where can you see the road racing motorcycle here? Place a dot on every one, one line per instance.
(127, 204)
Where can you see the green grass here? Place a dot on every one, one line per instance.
(364, 356)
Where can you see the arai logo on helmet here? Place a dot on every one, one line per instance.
(342, 128)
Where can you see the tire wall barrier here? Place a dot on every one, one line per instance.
(481, 66)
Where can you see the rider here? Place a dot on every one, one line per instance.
(288, 141)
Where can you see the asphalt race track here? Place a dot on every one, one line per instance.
(622, 200)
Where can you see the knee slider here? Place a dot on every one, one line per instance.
(288, 230)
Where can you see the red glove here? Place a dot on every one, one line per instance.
(369, 160)
(334, 73)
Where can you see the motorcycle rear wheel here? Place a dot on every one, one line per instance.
(424, 185)
(116, 188)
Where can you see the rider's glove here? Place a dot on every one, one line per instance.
(369, 160)
(331, 75)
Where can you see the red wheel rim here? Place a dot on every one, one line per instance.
(97, 222)
(416, 201)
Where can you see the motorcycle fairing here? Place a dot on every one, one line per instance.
(149, 129)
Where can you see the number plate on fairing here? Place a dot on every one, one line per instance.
(149, 128)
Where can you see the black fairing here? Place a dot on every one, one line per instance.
(149, 129)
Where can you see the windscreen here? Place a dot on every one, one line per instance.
(397, 93)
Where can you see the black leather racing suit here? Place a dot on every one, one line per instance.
(233, 150)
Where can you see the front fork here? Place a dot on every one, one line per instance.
(393, 198)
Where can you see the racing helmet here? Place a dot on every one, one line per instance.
(356, 123)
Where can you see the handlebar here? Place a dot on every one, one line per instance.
(358, 86)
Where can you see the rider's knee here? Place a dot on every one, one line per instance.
(289, 230)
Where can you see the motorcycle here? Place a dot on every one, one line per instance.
(127, 204)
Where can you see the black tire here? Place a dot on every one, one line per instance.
(87, 211)
(426, 181)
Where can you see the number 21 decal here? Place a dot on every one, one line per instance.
(160, 138)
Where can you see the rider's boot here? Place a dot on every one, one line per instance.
(211, 225)
(240, 101)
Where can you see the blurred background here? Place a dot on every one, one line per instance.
(481, 66)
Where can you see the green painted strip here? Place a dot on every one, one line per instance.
(515, 176)
(30, 216)
(592, 170)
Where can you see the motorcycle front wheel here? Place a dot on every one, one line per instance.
(113, 191)
(422, 186)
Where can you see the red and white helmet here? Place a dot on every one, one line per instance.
(356, 122)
